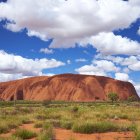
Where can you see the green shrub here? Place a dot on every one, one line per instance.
(86, 128)
(53, 116)
(66, 124)
(46, 103)
(24, 134)
(132, 99)
(131, 127)
(100, 127)
(75, 109)
(113, 96)
(55, 123)
(138, 136)
(47, 133)
(26, 121)
(38, 125)
(47, 126)
(45, 136)
(123, 116)
(12, 126)
(4, 129)
(41, 117)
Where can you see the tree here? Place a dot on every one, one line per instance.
(113, 96)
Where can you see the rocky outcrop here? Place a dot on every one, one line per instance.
(66, 87)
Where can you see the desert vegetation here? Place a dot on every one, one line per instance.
(113, 96)
(43, 120)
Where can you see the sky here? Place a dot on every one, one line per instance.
(92, 37)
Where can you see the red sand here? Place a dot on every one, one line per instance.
(62, 134)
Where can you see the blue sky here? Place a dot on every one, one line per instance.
(56, 36)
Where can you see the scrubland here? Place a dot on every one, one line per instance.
(43, 120)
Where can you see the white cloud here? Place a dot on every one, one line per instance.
(114, 59)
(49, 74)
(101, 68)
(135, 66)
(68, 22)
(14, 66)
(9, 77)
(81, 60)
(46, 51)
(126, 70)
(31, 33)
(122, 76)
(129, 63)
(68, 62)
(132, 62)
(107, 66)
(125, 77)
(138, 31)
(110, 44)
(90, 70)
(137, 86)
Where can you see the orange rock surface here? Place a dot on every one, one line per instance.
(65, 87)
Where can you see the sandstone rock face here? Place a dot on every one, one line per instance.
(65, 87)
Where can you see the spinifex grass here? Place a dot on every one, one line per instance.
(24, 134)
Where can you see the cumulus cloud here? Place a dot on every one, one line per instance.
(135, 66)
(114, 59)
(9, 77)
(90, 70)
(131, 62)
(46, 51)
(110, 44)
(14, 66)
(106, 65)
(101, 68)
(122, 76)
(68, 22)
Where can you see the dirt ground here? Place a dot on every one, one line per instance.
(62, 134)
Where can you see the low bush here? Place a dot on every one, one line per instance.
(123, 116)
(75, 109)
(132, 99)
(24, 134)
(46, 103)
(12, 126)
(113, 96)
(3, 129)
(47, 133)
(55, 123)
(38, 125)
(66, 124)
(26, 121)
(41, 117)
(138, 136)
(100, 127)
